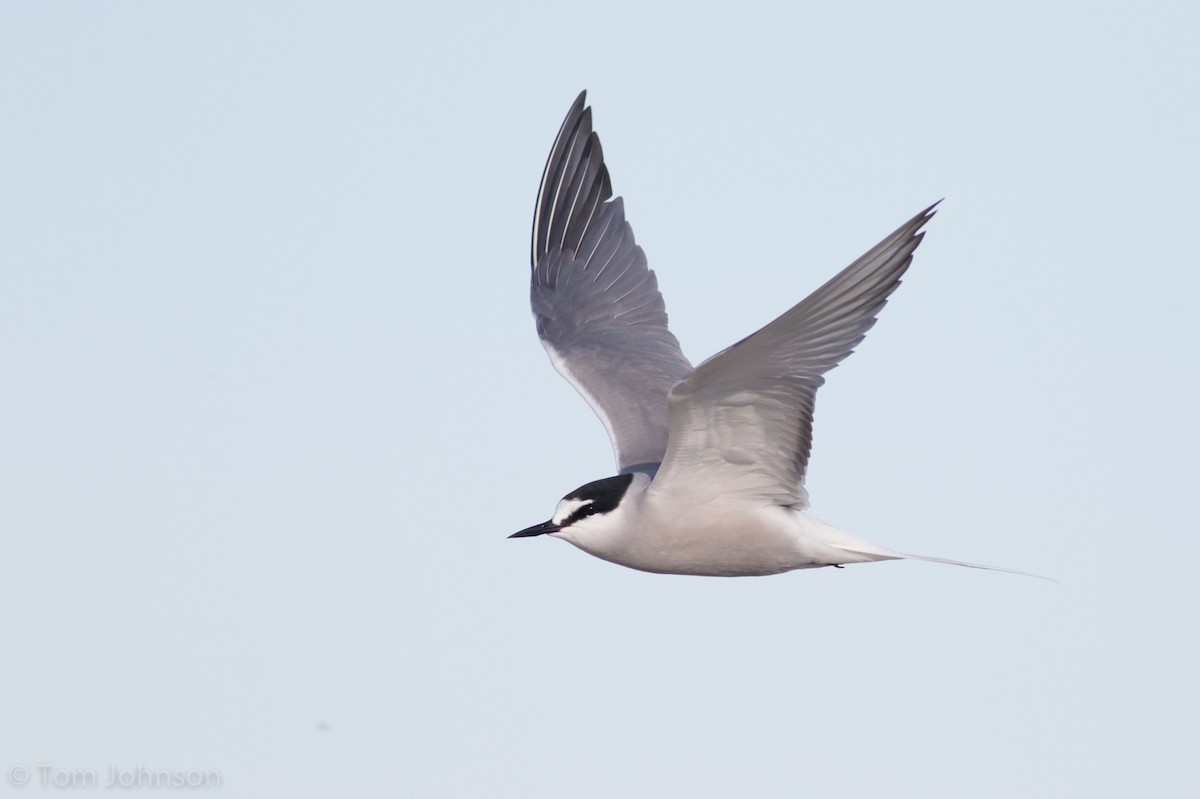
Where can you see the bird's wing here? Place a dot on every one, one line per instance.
(742, 421)
(597, 306)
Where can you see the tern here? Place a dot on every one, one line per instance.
(711, 460)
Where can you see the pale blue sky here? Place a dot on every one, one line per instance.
(273, 398)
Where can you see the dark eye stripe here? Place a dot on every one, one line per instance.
(582, 513)
(602, 495)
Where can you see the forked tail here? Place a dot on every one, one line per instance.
(929, 559)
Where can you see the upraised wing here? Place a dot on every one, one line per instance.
(742, 421)
(597, 306)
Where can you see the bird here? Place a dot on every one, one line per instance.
(711, 459)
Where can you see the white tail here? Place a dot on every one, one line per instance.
(974, 566)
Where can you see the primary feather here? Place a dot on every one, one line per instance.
(597, 306)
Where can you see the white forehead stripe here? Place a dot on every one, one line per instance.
(568, 506)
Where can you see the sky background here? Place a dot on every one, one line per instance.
(272, 398)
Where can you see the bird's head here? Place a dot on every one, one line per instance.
(592, 511)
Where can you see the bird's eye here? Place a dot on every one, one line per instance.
(583, 511)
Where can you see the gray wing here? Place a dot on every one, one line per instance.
(597, 306)
(743, 419)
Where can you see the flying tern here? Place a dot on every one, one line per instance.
(711, 459)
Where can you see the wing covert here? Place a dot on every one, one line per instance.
(743, 418)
